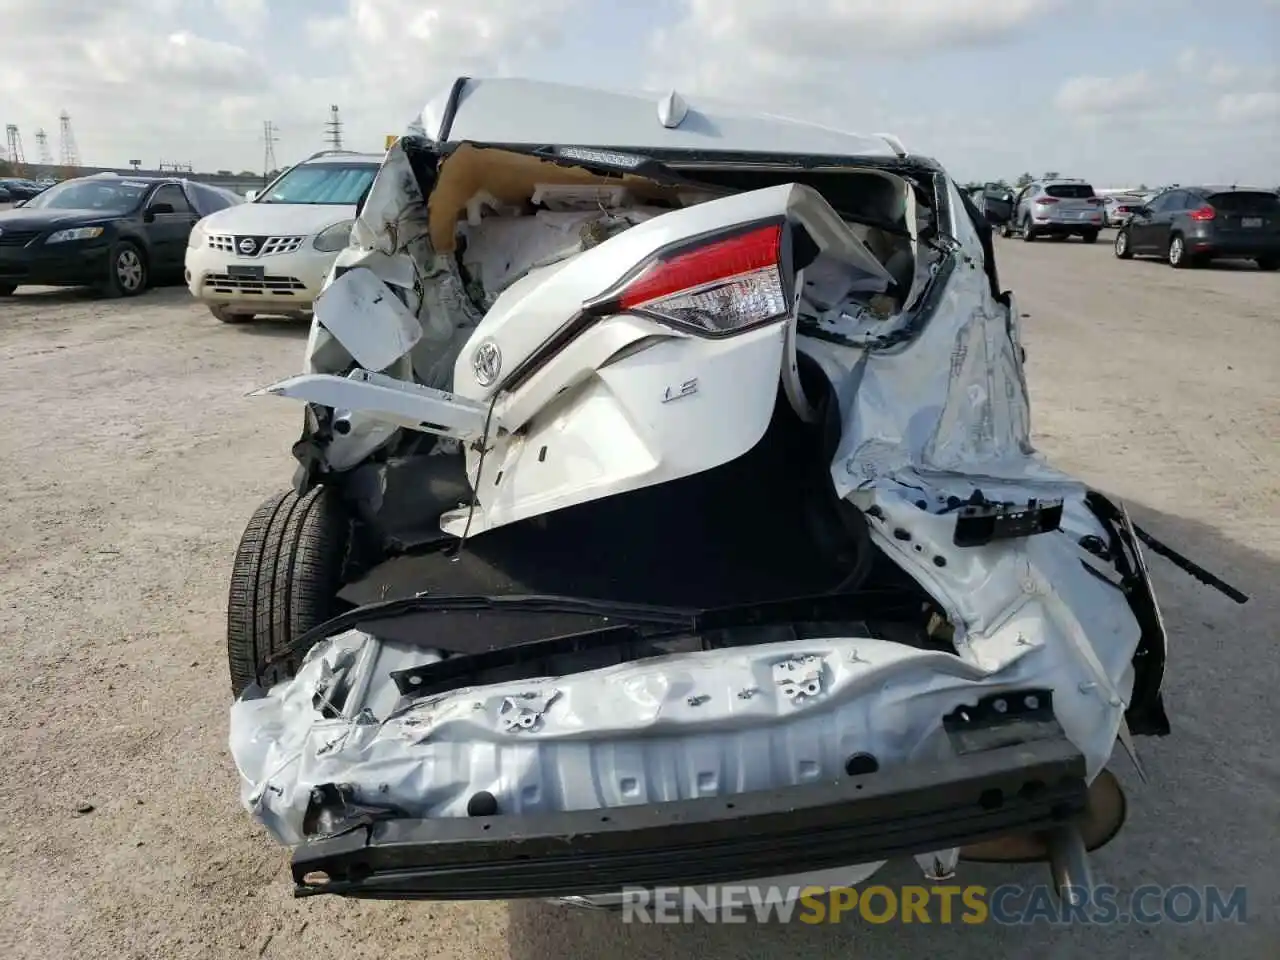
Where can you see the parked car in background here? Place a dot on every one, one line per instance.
(105, 231)
(1058, 209)
(1189, 226)
(5, 195)
(1118, 208)
(995, 201)
(271, 255)
(19, 188)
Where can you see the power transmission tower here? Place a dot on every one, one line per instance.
(14, 148)
(70, 152)
(333, 129)
(269, 140)
(42, 148)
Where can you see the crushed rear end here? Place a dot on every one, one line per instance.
(708, 542)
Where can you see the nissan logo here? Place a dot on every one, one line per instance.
(248, 245)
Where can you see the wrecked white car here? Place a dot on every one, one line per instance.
(667, 514)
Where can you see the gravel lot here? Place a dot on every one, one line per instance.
(131, 459)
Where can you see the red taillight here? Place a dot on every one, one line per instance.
(720, 287)
(1047, 200)
(1203, 213)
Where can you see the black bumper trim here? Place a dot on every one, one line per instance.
(893, 812)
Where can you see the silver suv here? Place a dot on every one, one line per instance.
(1058, 209)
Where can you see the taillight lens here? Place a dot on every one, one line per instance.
(1204, 213)
(1095, 202)
(1047, 200)
(720, 287)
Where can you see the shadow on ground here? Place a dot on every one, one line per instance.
(284, 327)
(167, 291)
(1207, 816)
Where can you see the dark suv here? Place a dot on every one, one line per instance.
(1192, 225)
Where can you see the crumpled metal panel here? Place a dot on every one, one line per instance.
(925, 421)
(700, 724)
(952, 404)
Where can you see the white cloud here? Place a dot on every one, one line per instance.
(248, 17)
(1108, 96)
(1257, 107)
(193, 80)
(795, 52)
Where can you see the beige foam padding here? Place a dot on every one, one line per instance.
(511, 178)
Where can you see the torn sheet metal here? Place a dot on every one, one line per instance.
(368, 319)
(390, 399)
(656, 729)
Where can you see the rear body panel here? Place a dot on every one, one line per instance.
(731, 754)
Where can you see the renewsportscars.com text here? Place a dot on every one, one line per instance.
(1008, 905)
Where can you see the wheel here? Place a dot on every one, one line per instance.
(6, 289)
(127, 272)
(1122, 248)
(1178, 258)
(1028, 235)
(1089, 236)
(1264, 263)
(284, 581)
(226, 316)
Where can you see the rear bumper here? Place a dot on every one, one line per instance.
(1066, 226)
(917, 808)
(1217, 245)
(70, 264)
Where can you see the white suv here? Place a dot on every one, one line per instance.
(271, 255)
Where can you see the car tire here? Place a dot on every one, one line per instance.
(1177, 253)
(1268, 263)
(127, 273)
(226, 316)
(1028, 233)
(1122, 248)
(284, 581)
(1089, 236)
(7, 289)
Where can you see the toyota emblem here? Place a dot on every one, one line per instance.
(486, 363)
(248, 245)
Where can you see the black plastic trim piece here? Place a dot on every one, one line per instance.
(892, 812)
(983, 523)
(1145, 715)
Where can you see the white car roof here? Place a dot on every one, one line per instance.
(342, 156)
(515, 111)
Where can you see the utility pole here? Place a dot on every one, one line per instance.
(70, 153)
(333, 129)
(269, 140)
(42, 148)
(14, 146)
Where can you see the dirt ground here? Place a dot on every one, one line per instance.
(130, 459)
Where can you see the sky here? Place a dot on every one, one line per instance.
(1119, 92)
